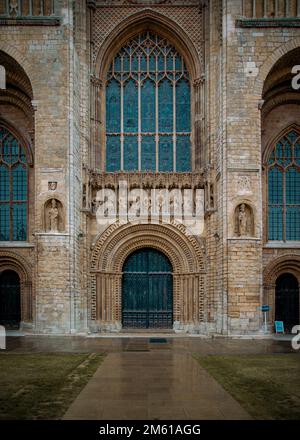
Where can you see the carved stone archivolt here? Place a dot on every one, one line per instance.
(109, 254)
(53, 216)
(12, 261)
(286, 263)
(244, 220)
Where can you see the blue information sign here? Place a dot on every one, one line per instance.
(265, 308)
(279, 327)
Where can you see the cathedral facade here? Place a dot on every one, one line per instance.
(149, 165)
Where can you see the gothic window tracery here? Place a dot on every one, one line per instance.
(148, 124)
(284, 189)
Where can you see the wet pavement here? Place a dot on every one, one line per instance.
(152, 377)
(154, 385)
(181, 344)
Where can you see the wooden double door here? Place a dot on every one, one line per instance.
(147, 290)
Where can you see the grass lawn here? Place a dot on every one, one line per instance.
(268, 387)
(42, 386)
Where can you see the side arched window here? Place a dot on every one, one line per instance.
(284, 189)
(13, 188)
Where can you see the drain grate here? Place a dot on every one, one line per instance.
(158, 341)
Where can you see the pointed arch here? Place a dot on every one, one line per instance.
(147, 19)
(272, 143)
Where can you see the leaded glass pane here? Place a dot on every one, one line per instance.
(146, 82)
(113, 107)
(183, 106)
(183, 159)
(275, 223)
(275, 186)
(166, 153)
(293, 223)
(113, 153)
(4, 183)
(130, 153)
(165, 106)
(4, 222)
(148, 153)
(130, 107)
(19, 182)
(19, 215)
(148, 107)
(292, 186)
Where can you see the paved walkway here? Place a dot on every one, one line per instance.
(141, 379)
(157, 385)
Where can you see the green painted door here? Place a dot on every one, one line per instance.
(10, 305)
(147, 294)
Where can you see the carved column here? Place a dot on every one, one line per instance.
(199, 126)
(95, 112)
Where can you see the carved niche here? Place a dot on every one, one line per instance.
(244, 220)
(53, 216)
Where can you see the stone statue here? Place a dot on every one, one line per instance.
(242, 220)
(53, 216)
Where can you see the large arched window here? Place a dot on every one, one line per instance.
(13, 188)
(284, 189)
(148, 124)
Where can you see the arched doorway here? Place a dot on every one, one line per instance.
(147, 290)
(287, 300)
(10, 299)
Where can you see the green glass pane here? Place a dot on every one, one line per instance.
(4, 222)
(113, 107)
(19, 182)
(293, 186)
(130, 153)
(19, 221)
(275, 186)
(148, 106)
(293, 223)
(148, 153)
(4, 183)
(183, 153)
(130, 107)
(113, 153)
(165, 107)
(183, 107)
(275, 219)
(165, 153)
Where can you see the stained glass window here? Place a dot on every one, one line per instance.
(284, 189)
(13, 188)
(148, 124)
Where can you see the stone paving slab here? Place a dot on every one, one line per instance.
(154, 385)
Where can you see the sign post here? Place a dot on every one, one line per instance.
(265, 309)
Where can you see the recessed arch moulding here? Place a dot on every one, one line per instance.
(186, 255)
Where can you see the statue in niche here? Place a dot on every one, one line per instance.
(53, 216)
(244, 225)
(242, 220)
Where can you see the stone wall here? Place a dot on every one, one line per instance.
(62, 57)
